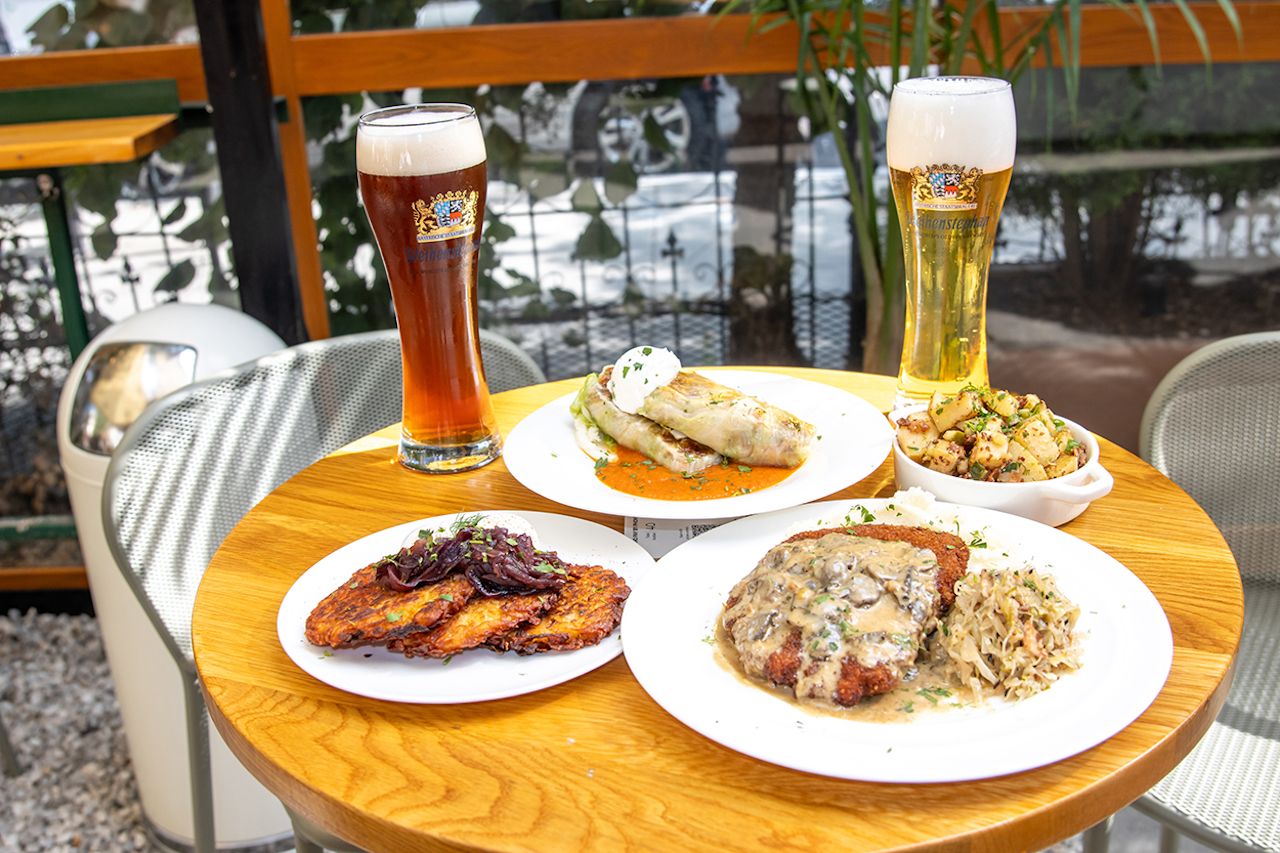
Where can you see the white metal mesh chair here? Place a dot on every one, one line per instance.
(1212, 427)
(506, 366)
(197, 460)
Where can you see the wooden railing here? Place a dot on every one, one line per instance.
(635, 48)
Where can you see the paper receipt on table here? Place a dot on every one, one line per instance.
(660, 535)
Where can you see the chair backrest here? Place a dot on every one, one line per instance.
(1212, 427)
(197, 460)
(506, 366)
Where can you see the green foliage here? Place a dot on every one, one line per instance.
(836, 82)
(597, 242)
(177, 277)
(358, 291)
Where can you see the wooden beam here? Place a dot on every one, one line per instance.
(693, 46)
(550, 52)
(277, 26)
(178, 62)
(1113, 36)
(50, 144)
(32, 578)
(250, 164)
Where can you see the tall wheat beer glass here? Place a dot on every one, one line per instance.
(423, 182)
(950, 148)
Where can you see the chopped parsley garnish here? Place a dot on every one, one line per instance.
(976, 541)
(744, 469)
(625, 371)
(866, 514)
(647, 350)
(448, 596)
(907, 707)
(822, 598)
(977, 471)
(393, 616)
(933, 694)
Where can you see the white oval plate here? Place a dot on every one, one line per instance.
(853, 438)
(1127, 649)
(477, 675)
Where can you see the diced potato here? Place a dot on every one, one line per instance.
(1002, 403)
(943, 456)
(991, 447)
(1031, 468)
(1011, 473)
(1035, 437)
(946, 412)
(1049, 419)
(1065, 464)
(915, 432)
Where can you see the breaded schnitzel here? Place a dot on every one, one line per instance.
(840, 614)
(952, 553)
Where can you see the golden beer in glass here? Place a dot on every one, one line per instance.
(950, 144)
(422, 171)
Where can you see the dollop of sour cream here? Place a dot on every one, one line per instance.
(638, 373)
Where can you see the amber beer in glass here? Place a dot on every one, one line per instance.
(423, 183)
(950, 148)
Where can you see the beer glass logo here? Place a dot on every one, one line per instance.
(446, 217)
(945, 187)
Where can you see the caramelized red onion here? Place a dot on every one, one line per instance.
(496, 561)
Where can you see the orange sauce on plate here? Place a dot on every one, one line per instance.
(635, 474)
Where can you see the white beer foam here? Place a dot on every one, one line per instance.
(419, 142)
(965, 121)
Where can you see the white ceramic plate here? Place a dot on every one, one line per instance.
(477, 675)
(1127, 652)
(854, 439)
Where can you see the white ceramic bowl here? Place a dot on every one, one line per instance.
(1052, 502)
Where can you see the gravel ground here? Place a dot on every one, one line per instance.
(77, 790)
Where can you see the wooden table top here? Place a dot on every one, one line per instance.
(595, 763)
(50, 144)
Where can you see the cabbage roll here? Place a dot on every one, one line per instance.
(675, 453)
(742, 428)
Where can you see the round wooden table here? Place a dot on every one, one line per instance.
(595, 763)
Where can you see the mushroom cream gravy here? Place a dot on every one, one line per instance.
(925, 688)
(853, 598)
